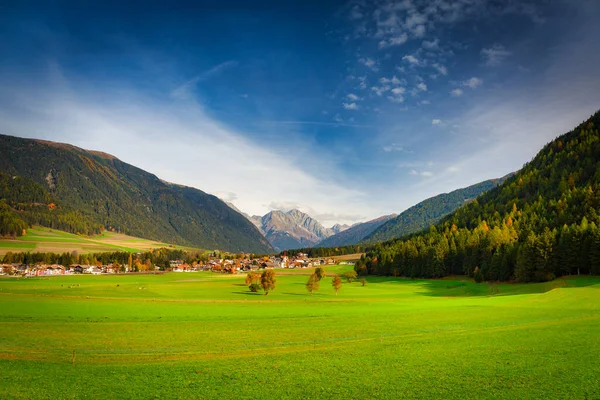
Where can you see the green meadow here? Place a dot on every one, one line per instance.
(40, 239)
(204, 335)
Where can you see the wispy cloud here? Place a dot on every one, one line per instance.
(380, 90)
(350, 106)
(456, 92)
(473, 83)
(425, 174)
(494, 55)
(441, 69)
(412, 60)
(394, 41)
(436, 122)
(369, 63)
(184, 91)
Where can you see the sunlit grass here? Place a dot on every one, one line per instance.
(204, 335)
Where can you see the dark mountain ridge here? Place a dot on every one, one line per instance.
(95, 190)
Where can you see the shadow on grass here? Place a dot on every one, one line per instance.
(249, 293)
(467, 287)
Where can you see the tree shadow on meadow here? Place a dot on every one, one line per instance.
(469, 288)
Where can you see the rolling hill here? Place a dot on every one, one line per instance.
(355, 233)
(64, 187)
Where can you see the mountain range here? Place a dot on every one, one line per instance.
(293, 229)
(62, 186)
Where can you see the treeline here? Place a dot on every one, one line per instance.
(319, 252)
(541, 223)
(137, 262)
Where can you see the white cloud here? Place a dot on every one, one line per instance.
(436, 122)
(412, 60)
(425, 174)
(369, 63)
(350, 106)
(421, 87)
(352, 97)
(396, 99)
(431, 44)
(473, 83)
(394, 41)
(362, 82)
(398, 90)
(441, 69)
(494, 55)
(424, 102)
(453, 169)
(393, 147)
(456, 92)
(380, 90)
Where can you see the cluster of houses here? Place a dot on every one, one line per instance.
(54, 269)
(232, 266)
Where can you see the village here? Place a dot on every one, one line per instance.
(230, 265)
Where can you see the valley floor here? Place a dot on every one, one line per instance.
(204, 335)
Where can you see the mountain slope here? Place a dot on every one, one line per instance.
(355, 233)
(429, 212)
(540, 223)
(98, 190)
(291, 230)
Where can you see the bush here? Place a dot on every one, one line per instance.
(254, 287)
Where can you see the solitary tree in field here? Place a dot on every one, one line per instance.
(313, 284)
(350, 276)
(336, 282)
(267, 280)
(363, 281)
(319, 273)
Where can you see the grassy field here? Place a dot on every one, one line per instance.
(41, 239)
(203, 335)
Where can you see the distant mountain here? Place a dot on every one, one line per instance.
(80, 191)
(429, 212)
(291, 230)
(355, 233)
(337, 228)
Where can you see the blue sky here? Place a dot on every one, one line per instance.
(345, 110)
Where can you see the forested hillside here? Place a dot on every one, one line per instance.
(429, 212)
(541, 223)
(355, 233)
(68, 188)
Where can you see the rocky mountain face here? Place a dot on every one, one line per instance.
(293, 229)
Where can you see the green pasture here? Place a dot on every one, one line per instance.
(40, 239)
(204, 335)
